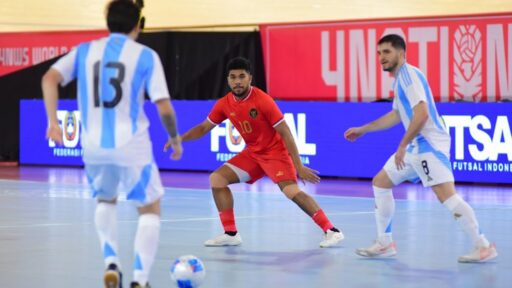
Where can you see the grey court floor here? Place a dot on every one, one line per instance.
(47, 239)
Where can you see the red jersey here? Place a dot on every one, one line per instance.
(254, 117)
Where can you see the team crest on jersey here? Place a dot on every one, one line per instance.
(253, 113)
(70, 126)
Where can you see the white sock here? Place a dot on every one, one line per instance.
(465, 215)
(105, 219)
(146, 244)
(384, 211)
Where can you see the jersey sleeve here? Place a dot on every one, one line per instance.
(67, 67)
(217, 114)
(413, 88)
(156, 84)
(271, 111)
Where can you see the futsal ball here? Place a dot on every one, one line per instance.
(187, 272)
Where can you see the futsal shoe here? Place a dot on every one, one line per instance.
(137, 285)
(224, 240)
(113, 278)
(378, 250)
(480, 254)
(331, 238)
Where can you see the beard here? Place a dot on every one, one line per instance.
(390, 68)
(239, 94)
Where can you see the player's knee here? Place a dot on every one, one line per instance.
(217, 180)
(151, 208)
(375, 181)
(382, 180)
(291, 191)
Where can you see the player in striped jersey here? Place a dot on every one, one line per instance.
(113, 73)
(423, 154)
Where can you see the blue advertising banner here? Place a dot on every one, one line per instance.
(481, 149)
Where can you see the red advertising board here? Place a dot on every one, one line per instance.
(21, 50)
(464, 57)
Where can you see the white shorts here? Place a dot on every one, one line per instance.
(139, 152)
(141, 183)
(431, 168)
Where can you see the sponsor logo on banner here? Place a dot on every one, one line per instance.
(481, 143)
(338, 61)
(467, 63)
(234, 142)
(21, 50)
(69, 121)
(481, 138)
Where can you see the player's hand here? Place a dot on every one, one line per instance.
(54, 133)
(399, 158)
(353, 133)
(308, 174)
(177, 149)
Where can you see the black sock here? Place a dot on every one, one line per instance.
(231, 233)
(334, 229)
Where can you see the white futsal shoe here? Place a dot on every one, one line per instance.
(480, 254)
(331, 238)
(378, 250)
(224, 240)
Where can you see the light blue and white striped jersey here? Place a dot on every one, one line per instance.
(411, 87)
(112, 75)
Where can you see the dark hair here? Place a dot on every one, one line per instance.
(122, 16)
(396, 41)
(239, 63)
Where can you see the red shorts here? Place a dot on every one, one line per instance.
(277, 165)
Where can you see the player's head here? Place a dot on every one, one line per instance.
(239, 76)
(391, 50)
(123, 16)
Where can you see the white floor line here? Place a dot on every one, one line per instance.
(43, 225)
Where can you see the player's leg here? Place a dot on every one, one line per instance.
(104, 181)
(240, 168)
(382, 185)
(303, 200)
(145, 188)
(384, 206)
(105, 220)
(279, 167)
(311, 207)
(435, 171)
(146, 242)
(465, 216)
(219, 181)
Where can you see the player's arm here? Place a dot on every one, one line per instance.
(50, 87)
(386, 121)
(168, 119)
(303, 171)
(419, 118)
(198, 131)
(417, 98)
(215, 117)
(156, 88)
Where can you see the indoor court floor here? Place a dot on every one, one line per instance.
(47, 235)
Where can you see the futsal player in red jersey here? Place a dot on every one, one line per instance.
(270, 151)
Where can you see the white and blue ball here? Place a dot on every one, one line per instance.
(187, 272)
